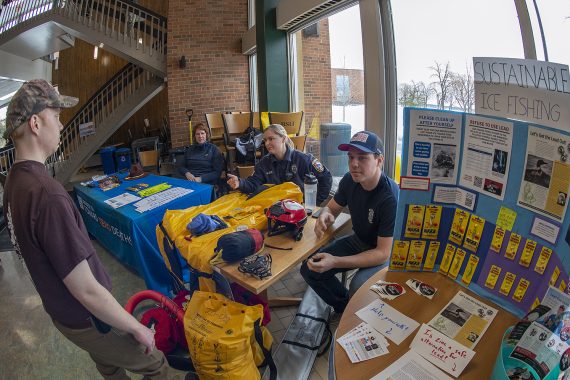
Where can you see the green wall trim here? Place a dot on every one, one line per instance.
(272, 64)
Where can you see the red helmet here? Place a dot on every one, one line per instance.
(286, 215)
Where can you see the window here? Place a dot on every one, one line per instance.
(438, 37)
(327, 83)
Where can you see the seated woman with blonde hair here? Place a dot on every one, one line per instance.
(203, 161)
(283, 163)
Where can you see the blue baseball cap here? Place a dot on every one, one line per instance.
(364, 141)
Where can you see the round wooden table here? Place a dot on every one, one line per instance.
(422, 310)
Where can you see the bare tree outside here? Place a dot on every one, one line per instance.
(415, 94)
(449, 90)
(442, 84)
(463, 90)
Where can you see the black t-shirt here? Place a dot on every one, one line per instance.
(48, 231)
(373, 213)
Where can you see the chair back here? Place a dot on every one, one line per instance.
(245, 171)
(216, 124)
(291, 121)
(299, 142)
(149, 160)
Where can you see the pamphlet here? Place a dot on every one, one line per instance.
(121, 200)
(363, 343)
(413, 367)
(387, 290)
(465, 319)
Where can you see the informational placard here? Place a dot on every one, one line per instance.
(87, 129)
(388, 321)
(523, 89)
(441, 350)
(544, 186)
(486, 155)
(434, 138)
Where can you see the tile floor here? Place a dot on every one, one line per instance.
(33, 349)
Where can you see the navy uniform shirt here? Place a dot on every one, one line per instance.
(202, 160)
(292, 168)
(373, 213)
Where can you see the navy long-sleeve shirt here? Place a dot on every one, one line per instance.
(292, 168)
(204, 161)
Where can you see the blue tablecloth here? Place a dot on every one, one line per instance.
(131, 236)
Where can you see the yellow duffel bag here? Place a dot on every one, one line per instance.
(226, 339)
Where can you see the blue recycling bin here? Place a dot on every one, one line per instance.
(332, 135)
(123, 158)
(107, 159)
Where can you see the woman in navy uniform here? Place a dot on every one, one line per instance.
(283, 164)
(203, 161)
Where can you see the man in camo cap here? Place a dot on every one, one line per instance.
(48, 232)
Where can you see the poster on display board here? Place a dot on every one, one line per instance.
(486, 155)
(434, 145)
(490, 244)
(544, 186)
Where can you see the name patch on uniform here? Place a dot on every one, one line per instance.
(318, 166)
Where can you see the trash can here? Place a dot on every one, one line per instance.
(107, 159)
(332, 135)
(123, 158)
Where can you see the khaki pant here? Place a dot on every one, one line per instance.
(117, 351)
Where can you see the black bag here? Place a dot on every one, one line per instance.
(247, 144)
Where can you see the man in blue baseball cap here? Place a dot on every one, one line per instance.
(371, 198)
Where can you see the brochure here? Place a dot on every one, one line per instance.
(465, 319)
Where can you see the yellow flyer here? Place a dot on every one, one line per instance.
(414, 222)
(554, 276)
(416, 255)
(562, 286)
(543, 259)
(470, 269)
(507, 284)
(474, 232)
(457, 263)
(535, 303)
(492, 277)
(459, 226)
(431, 256)
(497, 241)
(399, 254)
(446, 260)
(513, 246)
(431, 222)
(506, 218)
(521, 290)
(527, 253)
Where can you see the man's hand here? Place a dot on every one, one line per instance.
(323, 223)
(321, 262)
(145, 336)
(233, 181)
(190, 177)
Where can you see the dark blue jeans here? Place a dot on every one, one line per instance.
(327, 285)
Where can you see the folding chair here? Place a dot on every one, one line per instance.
(299, 142)
(291, 121)
(235, 125)
(245, 171)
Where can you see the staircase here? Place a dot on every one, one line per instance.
(127, 30)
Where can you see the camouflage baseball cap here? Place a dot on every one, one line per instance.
(32, 98)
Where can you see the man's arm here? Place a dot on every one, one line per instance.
(327, 217)
(97, 299)
(322, 262)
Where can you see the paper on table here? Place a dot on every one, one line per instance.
(412, 366)
(441, 350)
(121, 200)
(388, 321)
(363, 343)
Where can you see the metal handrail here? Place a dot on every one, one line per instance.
(102, 105)
(123, 21)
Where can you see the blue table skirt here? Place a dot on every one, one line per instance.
(131, 236)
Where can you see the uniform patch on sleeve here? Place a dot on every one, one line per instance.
(318, 166)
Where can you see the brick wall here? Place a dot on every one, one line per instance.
(356, 86)
(317, 92)
(216, 78)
